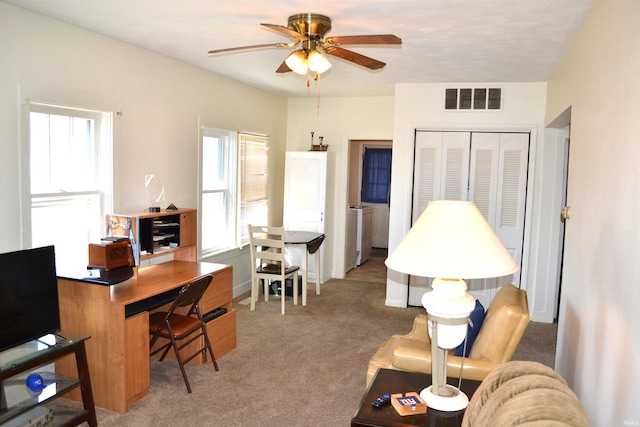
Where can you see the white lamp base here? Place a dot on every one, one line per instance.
(453, 400)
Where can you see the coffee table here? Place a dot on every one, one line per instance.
(393, 381)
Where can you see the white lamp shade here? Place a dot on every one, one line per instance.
(297, 62)
(318, 62)
(452, 240)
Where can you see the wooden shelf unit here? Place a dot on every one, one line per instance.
(155, 234)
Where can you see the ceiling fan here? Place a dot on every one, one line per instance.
(307, 30)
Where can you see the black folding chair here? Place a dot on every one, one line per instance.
(177, 327)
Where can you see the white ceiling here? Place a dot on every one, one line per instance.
(443, 40)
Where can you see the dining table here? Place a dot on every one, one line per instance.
(310, 243)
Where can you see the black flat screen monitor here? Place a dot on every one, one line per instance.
(28, 296)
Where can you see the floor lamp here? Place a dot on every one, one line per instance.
(451, 241)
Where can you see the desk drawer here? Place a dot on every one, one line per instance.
(222, 333)
(220, 291)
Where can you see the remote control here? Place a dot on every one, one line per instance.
(381, 401)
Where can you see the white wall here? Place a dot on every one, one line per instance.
(421, 106)
(598, 349)
(162, 103)
(338, 120)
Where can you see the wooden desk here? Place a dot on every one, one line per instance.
(118, 351)
(312, 242)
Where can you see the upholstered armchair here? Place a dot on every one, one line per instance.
(504, 324)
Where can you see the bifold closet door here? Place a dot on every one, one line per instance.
(441, 171)
(498, 185)
(489, 168)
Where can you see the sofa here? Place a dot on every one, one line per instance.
(503, 325)
(522, 393)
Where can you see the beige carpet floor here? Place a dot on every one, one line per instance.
(306, 368)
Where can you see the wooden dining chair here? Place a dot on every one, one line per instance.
(268, 263)
(178, 327)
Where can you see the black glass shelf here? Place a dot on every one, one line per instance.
(18, 403)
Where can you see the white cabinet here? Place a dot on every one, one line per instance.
(305, 203)
(364, 233)
(380, 232)
(489, 168)
(352, 235)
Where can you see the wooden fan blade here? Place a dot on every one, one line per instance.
(283, 68)
(372, 39)
(286, 31)
(365, 61)
(255, 46)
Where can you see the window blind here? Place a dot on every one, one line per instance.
(254, 201)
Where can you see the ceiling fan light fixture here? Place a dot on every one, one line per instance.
(308, 31)
(318, 62)
(297, 62)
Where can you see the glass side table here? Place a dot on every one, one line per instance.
(18, 403)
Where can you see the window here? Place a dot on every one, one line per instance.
(217, 204)
(376, 175)
(68, 185)
(234, 188)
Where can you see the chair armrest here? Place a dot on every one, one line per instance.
(420, 330)
(418, 338)
(419, 360)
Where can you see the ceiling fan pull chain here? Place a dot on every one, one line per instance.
(318, 102)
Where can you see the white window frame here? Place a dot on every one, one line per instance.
(227, 188)
(231, 230)
(103, 167)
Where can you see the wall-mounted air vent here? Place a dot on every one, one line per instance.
(473, 99)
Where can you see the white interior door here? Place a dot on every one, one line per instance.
(305, 195)
(305, 190)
